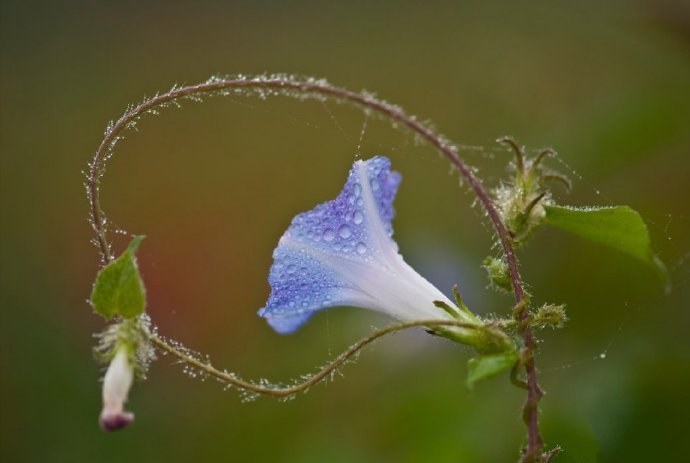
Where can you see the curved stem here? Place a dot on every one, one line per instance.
(311, 380)
(286, 85)
(301, 88)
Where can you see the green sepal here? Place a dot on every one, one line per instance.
(487, 366)
(453, 312)
(447, 309)
(485, 338)
(119, 289)
(618, 227)
(461, 304)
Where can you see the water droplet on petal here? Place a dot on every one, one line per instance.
(357, 217)
(345, 231)
(357, 189)
(328, 235)
(361, 248)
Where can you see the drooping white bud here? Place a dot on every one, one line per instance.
(116, 383)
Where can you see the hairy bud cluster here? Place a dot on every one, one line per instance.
(520, 202)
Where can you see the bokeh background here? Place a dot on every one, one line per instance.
(214, 185)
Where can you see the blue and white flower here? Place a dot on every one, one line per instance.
(341, 253)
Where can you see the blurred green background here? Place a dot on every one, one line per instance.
(214, 185)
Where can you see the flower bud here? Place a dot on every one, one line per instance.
(116, 383)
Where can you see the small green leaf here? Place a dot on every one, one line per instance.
(619, 227)
(118, 289)
(486, 366)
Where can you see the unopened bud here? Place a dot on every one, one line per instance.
(116, 383)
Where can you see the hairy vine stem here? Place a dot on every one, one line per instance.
(320, 89)
(311, 380)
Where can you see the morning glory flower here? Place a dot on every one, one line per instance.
(341, 253)
(116, 383)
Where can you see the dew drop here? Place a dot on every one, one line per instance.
(361, 248)
(291, 269)
(345, 231)
(357, 217)
(328, 235)
(357, 189)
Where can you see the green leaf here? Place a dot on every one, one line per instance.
(619, 227)
(486, 366)
(118, 289)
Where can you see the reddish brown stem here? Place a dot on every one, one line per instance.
(317, 88)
